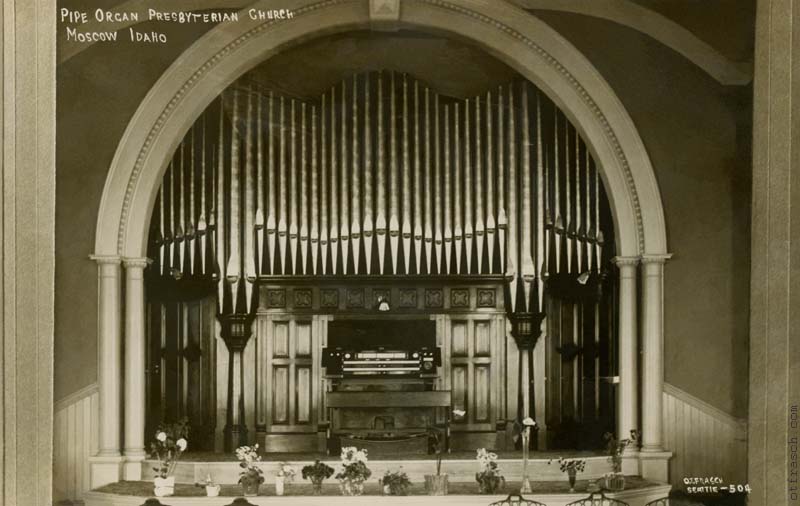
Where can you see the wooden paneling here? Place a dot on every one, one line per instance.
(304, 395)
(459, 387)
(280, 394)
(303, 339)
(459, 339)
(482, 395)
(280, 339)
(75, 439)
(704, 440)
(483, 335)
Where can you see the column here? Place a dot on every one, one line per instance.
(654, 460)
(106, 464)
(774, 396)
(652, 350)
(627, 389)
(134, 367)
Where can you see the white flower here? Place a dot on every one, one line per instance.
(181, 444)
(161, 436)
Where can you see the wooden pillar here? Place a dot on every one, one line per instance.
(236, 331)
(774, 397)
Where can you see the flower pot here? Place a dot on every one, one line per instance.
(572, 474)
(615, 482)
(436, 484)
(317, 486)
(387, 490)
(352, 487)
(250, 488)
(212, 490)
(164, 487)
(279, 485)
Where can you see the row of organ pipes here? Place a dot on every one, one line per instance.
(380, 176)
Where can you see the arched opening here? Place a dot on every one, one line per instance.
(516, 38)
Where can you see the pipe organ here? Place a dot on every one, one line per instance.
(382, 177)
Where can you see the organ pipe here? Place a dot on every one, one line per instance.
(232, 270)
(368, 224)
(190, 232)
(323, 177)
(394, 224)
(380, 221)
(303, 200)
(406, 172)
(259, 219)
(469, 187)
(282, 191)
(315, 246)
(271, 183)
(458, 231)
(430, 185)
(479, 227)
(202, 225)
(344, 235)
(355, 211)
(334, 188)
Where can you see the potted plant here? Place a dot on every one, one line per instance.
(284, 475)
(354, 471)
(615, 480)
(252, 476)
(571, 467)
(489, 479)
(395, 483)
(317, 473)
(212, 489)
(436, 484)
(169, 443)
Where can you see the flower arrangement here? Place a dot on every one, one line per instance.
(167, 446)
(251, 475)
(395, 483)
(615, 447)
(169, 443)
(571, 467)
(354, 470)
(489, 479)
(286, 472)
(317, 473)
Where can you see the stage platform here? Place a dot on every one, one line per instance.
(550, 486)
(460, 466)
(638, 493)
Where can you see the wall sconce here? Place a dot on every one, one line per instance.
(382, 305)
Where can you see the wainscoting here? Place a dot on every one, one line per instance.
(75, 440)
(704, 440)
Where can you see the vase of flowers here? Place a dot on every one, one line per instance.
(572, 467)
(490, 479)
(251, 476)
(317, 473)
(284, 475)
(615, 481)
(354, 471)
(395, 483)
(167, 446)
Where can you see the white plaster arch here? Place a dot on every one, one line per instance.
(506, 31)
